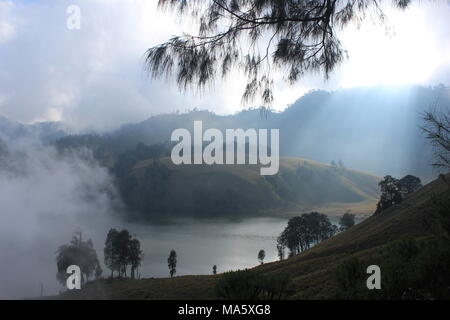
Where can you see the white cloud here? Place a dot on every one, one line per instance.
(94, 77)
(412, 52)
(7, 20)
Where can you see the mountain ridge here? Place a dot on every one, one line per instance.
(363, 127)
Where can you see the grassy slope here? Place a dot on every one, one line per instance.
(312, 271)
(301, 185)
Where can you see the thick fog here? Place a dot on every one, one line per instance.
(44, 198)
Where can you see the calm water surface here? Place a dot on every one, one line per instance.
(200, 245)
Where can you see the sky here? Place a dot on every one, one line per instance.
(94, 77)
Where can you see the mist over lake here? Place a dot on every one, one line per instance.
(199, 246)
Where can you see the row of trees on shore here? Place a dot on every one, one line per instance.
(309, 229)
(304, 231)
(122, 252)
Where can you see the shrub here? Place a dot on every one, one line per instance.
(252, 285)
(350, 279)
(410, 269)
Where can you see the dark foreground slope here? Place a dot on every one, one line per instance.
(311, 273)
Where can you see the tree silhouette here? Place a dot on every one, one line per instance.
(98, 272)
(121, 250)
(122, 243)
(214, 269)
(255, 37)
(280, 251)
(437, 129)
(393, 190)
(80, 253)
(304, 231)
(110, 252)
(390, 193)
(261, 256)
(172, 263)
(347, 221)
(409, 184)
(135, 256)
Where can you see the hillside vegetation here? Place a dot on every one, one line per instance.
(362, 127)
(313, 273)
(157, 186)
(153, 187)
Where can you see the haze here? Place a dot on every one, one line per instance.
(93, 80)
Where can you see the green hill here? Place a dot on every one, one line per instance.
(158, 187)
(312, 273)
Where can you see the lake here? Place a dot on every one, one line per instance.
(199, 245)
